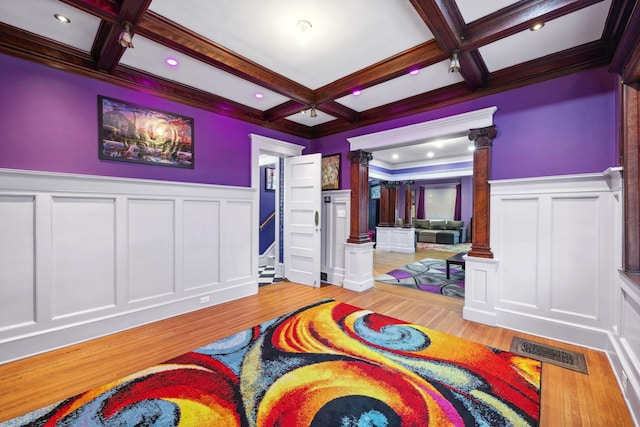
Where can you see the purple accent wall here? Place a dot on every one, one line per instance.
(267, 207)
(50, 123)
(562, 126)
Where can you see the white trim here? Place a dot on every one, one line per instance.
(452, 173)
(458, 124)
(421, 163)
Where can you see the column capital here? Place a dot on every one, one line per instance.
(483, 137)
(360, 157)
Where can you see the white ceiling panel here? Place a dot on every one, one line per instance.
(429, 78)
(266, 32)
(472, 10)
(150, 57)
(79, 33)
(457, 148)
(587, 25)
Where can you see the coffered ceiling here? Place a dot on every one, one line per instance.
(300, 55)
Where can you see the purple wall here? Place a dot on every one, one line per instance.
(267, 207)
(50, 123)
(562, 126)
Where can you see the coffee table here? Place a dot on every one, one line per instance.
(455, 260)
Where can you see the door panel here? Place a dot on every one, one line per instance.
(302, 237)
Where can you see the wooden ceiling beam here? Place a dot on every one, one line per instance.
(515, 18)
(340, 111)
(626, 60)
(445, 22)
(283, 110)
(167, 33)
(420, 56)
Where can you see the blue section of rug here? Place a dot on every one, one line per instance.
(429, 275)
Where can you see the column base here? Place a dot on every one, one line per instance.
(358, 266)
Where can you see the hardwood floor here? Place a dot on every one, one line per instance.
(568, 398)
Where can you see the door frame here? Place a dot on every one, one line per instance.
(275, 147)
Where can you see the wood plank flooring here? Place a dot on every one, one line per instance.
(568, 398)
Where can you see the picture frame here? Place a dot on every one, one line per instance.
(132, 133)
(269, 179)
(331, 171)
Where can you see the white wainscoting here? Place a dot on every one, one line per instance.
(554, 244)
(84, 256)
(336, 217)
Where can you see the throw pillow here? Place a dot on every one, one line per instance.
(454, 225)
(438, 225)
(421, 223)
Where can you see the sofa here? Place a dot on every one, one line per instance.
(446, 232)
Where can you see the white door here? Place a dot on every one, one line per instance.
(302, 194)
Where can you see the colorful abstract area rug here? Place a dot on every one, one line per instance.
(428, 275)
(328, 364)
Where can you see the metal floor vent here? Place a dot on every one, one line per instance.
(546, 353)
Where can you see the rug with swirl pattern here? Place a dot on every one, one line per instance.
(429, 275)
(328, 364)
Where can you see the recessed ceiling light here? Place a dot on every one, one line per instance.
(62, 18)
(537, 26)
(356, 92)
(395, 156)
(471, 148)
(430, 154)
(171, 61)
(258, 95)
(414, 71)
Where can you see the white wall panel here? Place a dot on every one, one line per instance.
(17, 260)
(574, 254)
(336, 214)
(519, 240)
(83, 254)
(237, 239)
(201, 258)
(151, 248)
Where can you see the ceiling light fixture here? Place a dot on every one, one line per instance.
(313, 113)
(454, 65)
(430, 154)
(171, 61)
(258, 95)
(304, 26)
(537, 26)
(125, 36)
(356, 92)
(62, 18)
(414, 71)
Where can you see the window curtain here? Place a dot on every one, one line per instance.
(420, 213)
(457, 213)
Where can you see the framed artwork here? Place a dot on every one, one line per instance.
(270, 179)
(331, 172)
(135, 134)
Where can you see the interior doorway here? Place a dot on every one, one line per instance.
(270, 150)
